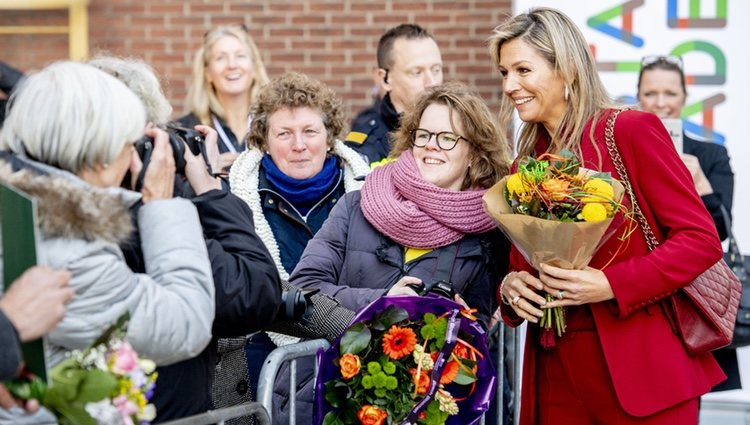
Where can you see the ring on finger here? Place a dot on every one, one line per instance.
(515, 300)
(561, 295)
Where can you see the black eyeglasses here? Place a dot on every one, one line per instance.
(445, 139)
(670, 60)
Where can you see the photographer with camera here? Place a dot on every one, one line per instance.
(247, 285)
(418, 223)
(67, 143)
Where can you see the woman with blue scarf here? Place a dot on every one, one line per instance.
(291, 176)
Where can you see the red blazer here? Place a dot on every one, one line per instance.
(648, 365)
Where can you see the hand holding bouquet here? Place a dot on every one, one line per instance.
(555, 212)
(104, 384)
(406, 360)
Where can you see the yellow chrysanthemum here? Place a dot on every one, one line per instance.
(594, 212)
(599, 190)
(517, 184)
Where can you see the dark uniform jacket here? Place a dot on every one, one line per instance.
(371, 138)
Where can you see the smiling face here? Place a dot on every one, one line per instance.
(532, 84)
(297, 141)
(445, 169)
(661, 93)
(230, 67)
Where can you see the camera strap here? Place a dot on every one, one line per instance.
(223, 135)
(444, 265)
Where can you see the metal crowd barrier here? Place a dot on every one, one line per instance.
(218, 416)
(271, 367)
(310, 348)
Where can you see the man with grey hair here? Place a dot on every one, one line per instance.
(409, 61)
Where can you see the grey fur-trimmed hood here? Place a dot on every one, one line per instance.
(70, 208)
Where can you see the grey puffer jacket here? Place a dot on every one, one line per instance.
(351, 261)
(171, 306)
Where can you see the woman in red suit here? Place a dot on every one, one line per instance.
(619, 362)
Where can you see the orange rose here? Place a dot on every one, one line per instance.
(557, 189)
(422, 382)
(461, 351)
(371, 415)
(349, 365)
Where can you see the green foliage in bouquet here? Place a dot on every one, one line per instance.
(555, 187)
(105, 383)
(386, 365)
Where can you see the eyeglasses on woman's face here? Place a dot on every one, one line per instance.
(670, 60)
(446, 140)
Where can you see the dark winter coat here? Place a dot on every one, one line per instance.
(714, 162)
(353, 262)
(10, 355)
(191, 120)
(248, 292)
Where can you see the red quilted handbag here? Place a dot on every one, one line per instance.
(704, 311)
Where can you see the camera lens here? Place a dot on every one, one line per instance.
(294, 304)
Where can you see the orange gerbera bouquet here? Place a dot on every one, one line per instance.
(558, 213)
(406, 360)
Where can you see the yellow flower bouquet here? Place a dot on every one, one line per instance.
(555, 212)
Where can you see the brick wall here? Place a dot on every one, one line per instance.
(334, 41)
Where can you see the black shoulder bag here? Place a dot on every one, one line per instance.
(736, 261)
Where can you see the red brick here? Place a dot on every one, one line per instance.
(276, 6)
(246, 7)
(330, 39)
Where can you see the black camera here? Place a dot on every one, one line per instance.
(295, 303)
(179, 137)
(437, 287)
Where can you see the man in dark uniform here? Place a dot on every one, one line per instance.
(409, 61)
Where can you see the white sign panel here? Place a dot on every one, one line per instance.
(712, 38)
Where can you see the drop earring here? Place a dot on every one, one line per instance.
(566, 94)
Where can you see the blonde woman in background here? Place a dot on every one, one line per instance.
(227, 75)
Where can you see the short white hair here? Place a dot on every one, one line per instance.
(72, 116)
(142, 80)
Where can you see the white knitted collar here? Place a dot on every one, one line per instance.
(244, 181)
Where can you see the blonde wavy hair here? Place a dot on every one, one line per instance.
(557, 39)
(489, 152)
(201, 98)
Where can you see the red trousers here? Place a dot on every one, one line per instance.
(574, 386)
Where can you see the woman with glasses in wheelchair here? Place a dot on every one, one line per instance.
(415, 214)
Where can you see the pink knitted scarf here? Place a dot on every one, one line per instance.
(398, 202)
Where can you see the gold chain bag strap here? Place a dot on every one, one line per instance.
(705, 310)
